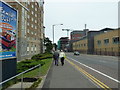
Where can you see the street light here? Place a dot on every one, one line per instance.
(67, 31)
(53, 30)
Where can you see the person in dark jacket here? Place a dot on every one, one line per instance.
(56, 57)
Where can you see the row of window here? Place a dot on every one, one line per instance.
(32, 18)
(81, 45)
(109, 49)
(115, 40)
(32, 38)
(32, 2)
(31, 32)
(33, 26)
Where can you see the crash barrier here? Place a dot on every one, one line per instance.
(20, 74)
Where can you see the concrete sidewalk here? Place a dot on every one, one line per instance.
(66, 77)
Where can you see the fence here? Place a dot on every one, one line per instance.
(20, 74)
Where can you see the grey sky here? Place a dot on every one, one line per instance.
(75, 13)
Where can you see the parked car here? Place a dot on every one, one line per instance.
(76, 53)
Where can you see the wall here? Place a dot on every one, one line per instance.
(107, 48)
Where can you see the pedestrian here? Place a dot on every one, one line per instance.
(62, 57)
(56, 57)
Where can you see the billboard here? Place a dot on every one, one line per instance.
(8, 27)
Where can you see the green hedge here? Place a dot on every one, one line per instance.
(42, 56)
(27, 64)
(35, 60)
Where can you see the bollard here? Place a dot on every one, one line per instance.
(39, 70)
(0, 87)
(22, 82)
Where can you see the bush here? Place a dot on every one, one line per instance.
(27, 64)
(35, 60)
(42, 56)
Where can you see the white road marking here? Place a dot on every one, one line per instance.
(96, 70)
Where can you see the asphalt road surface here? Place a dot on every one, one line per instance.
(102, 68)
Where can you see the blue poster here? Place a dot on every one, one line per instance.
(8, 28)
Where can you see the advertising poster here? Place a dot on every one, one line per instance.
(8, 27)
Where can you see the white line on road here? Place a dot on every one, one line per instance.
(96, 70)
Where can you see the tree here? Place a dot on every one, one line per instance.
(55, 45)
(48, 44)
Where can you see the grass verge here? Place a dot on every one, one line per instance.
(36, 73)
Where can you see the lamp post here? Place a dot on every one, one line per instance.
(67, 31)
(53, 30)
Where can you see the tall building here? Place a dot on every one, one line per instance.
(63, 42)
(75, 36)
(30, 27)
(78, 34)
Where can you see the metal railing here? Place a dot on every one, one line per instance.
(1, 83)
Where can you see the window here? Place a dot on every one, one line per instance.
(99, 42)
(31, 32)
(116, 40)
(28, 24)
(32, 19)
(28, 2)
(32, 6)
(35, 9)
(35, 15)
(35, 27)
(36, 3)
(106, 41)
(28, 16)
(32, 12)
(84, 44)
(81, 44)
(35, 21)
(28, 47)
(32, 26)
(28, 30)
(28, 38)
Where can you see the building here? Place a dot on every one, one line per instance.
(86, 43)
(81, 45)
(30, 28)
(75, 36)
(63, 43)
(108, 43)
(103, 42)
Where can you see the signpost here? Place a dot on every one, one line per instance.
(8, 29)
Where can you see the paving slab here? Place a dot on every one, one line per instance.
(66, 77)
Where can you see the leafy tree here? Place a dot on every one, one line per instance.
(55, 45)
(48, 44)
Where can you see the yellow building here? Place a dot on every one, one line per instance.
(107, 43)
(81, 45)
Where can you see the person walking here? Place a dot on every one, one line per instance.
(56, 57)
(62, 57)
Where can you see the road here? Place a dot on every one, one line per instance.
(103, 68)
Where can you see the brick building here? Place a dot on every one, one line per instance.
(103, 42)
(30, 27)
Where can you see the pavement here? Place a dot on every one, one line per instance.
(18, 85)
(66, 77)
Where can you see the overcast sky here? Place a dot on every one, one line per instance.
(74, 14)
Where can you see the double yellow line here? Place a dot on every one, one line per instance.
(95, 80)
